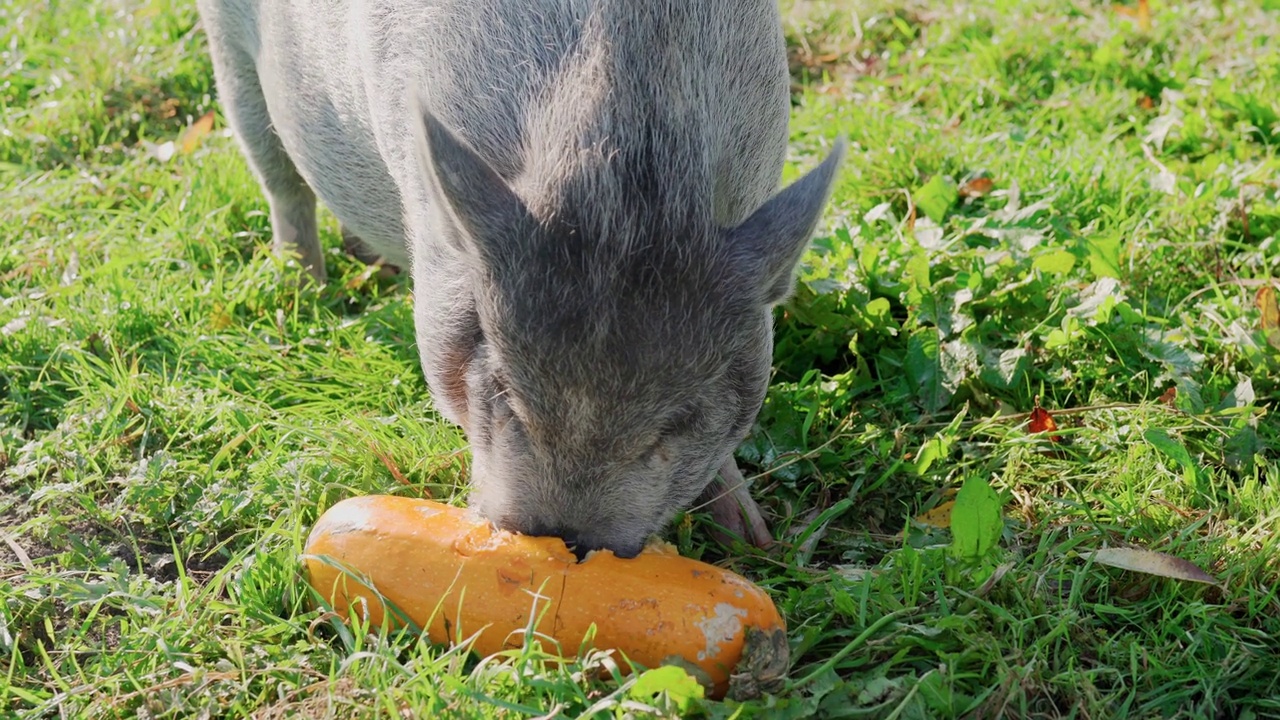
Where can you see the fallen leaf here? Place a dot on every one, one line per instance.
(15, 325)
(1170, 395)
(162, 152)
(938, 517)
(1042, 422)
(72, 271)
(220, 319)
(1270, 320)
(766, 656)
(1151, 563)
(1001, 570)
(1141, 13)
(192, 136)
(1146, 102)
(977, 187)
(168, 108)
(389, 464)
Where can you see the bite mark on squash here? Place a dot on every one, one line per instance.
(721, 627)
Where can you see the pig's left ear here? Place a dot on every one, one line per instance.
(483, 205)
(767, 246)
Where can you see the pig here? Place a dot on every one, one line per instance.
(585, 194)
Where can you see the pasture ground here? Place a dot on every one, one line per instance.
(1058, 200)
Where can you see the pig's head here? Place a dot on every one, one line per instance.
(615, 355)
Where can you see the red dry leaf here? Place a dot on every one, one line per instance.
(977, 187)
(1042, 422)
(1169, 396)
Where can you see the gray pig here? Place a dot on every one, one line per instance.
(584, 193)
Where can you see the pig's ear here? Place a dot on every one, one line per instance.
(483, 204)
(768, 245)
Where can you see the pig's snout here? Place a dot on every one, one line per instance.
(580, 541)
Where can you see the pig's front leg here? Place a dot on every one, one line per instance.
(728, 500)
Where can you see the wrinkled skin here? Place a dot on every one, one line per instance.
(585, 195)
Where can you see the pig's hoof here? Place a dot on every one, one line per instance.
(728, 500)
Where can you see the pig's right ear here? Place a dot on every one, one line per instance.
(481, 203)
(768, 245)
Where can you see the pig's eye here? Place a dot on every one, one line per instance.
(677, 426)
(658, 455)
(682, 423)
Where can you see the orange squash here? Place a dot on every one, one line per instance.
(454, 576)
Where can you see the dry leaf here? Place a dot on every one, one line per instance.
(938, 517)
(977, 187)
(1168, 396)
(193, 135)
(1270, 321)
(1042, 422)
(390, 464)
(1141, 13)
(1146, 102)
(1151, 563)
(220, 319)
(162, 152)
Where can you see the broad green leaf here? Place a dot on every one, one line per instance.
(1240, 449)
(939, 446)
(1189, 398)
(679, 686)
(924, 368)
(976, 522)
(1058, 262)
(1059, 337)
(1171, 349)
(936, 197)
(933, 449)
(1129, 315)
(1004, 370)
(917, 274)
(1173, 449)
(1104, 256)
(877, 312)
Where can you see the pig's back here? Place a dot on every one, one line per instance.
(337, 74)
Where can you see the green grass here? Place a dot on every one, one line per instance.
(173, 419)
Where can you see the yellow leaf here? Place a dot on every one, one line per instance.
(1142, 13)
(939, 517)
(1270, 321)
(193, 135)
(220, 319)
